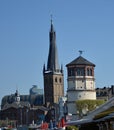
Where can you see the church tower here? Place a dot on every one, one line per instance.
(53, 75)
(81, 82)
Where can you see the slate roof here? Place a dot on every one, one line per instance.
(53, 63)
(80, 61)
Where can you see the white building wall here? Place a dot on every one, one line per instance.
(76, 84)
(80, 84)
(87, 83)
(81, 95)
(71, 84)
(78, 95)
(90, 85)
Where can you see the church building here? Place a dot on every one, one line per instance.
(81, 82)
(53, 74)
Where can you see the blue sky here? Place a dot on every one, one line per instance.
(86, 25)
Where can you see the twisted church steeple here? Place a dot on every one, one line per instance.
(52, 63)
(53, 74)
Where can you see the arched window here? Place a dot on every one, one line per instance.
(56, 79)
(90, 72)
(71, 71)
(87, 71)
(80, 72)
(60, 80)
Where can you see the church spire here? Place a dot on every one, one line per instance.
(52, 29)
(52, 64)
(53, 75)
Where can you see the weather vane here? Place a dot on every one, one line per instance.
(80, 52)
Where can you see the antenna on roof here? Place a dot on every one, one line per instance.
(80, 52)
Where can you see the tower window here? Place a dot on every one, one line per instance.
(89, 72)
(60, 80)
(71, 71)
(56, 79)
(80, 72)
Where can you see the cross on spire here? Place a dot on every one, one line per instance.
(51, 18)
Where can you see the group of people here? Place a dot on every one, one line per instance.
(53, 124)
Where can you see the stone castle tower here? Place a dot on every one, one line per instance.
(53, 75)
(81, 82)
